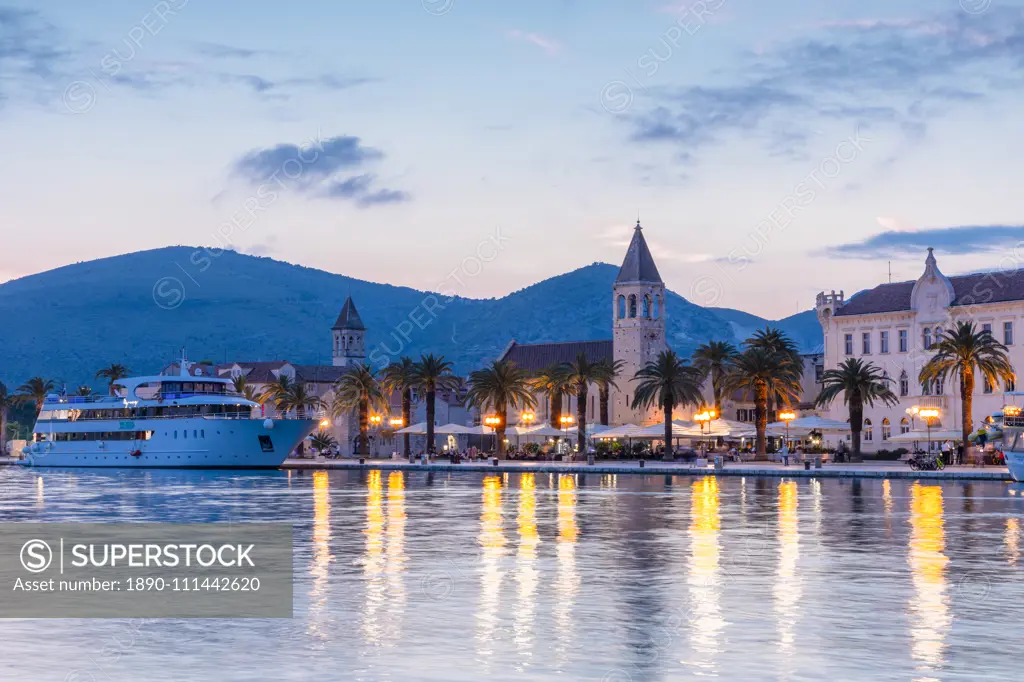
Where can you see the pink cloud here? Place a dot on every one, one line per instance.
(549, 46)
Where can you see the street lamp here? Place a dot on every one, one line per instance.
(493, 421)
(913, 412)
(566, 420)
(527, 418)
(705, 417)
(787, 416)
(375, 422)
(928, 414)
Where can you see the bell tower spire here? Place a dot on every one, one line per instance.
(349, 335)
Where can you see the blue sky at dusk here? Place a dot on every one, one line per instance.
(772, 149)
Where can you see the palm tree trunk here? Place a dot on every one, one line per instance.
(966, 404)
(603, 398)
(856, 426)
(364, 428)
(431, 396)
(716, 389)
(761, 420)
(3, 431)
(499, 433)
(556, 410)
(669, 451)
(406, 418)
(581, 419)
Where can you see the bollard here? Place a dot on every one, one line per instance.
(817, 462)
(807, 465)
(719, 462)
(642, 464)
(362, 460)
(590, 459)
(494, 461)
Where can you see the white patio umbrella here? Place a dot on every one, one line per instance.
(804, 425)
(419, 429)
(454, 429)
(937, 434)
(624, 431)
(547, 431)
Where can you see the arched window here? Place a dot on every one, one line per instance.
(886, 428)
(926, 338)
(647, 307)
(904, 384)
(926, 387)
(904, 425)
(632, 305)
(657, 307)
(868, 435)
(938, 334)
(622, 306)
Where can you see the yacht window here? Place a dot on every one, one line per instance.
(202, 433)
(175, 435)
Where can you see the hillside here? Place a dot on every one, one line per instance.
(66, 323)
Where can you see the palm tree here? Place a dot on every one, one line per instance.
(775, 340)
(83, 390)
(399, 376)
(861, 384)
(582, 373)
(553, 383)
(323, 441)
(499, 387)
(113, 374)
(764, 373)
(962, 352)
(7, 401)
(358, 390)
(276, 392)
(610, 369)
(240, 383)
(246, 390)
(299, 399)
(713, 358)
(430, 374)
(35, 390)
(668, 382)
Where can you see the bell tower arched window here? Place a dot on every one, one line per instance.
(657, 307)
(622, 306)
(647, 307)
(632, 305)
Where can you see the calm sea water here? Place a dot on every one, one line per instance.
(528, 576)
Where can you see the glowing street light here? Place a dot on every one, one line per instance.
(396, 422)
(928, 414)
(376, 419)
(702, 418)
(566, 420)
(787, 416)
(527, 418)
(325, 423)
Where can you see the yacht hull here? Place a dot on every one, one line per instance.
(1015, 463)
(189, 443)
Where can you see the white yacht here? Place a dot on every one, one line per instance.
(1013, 441)
(180, 421)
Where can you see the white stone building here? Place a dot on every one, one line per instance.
(894, 326)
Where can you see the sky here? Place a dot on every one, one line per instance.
(770, 149)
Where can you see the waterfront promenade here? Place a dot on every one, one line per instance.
(651, 468)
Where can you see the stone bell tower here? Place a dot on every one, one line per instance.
(638, 321)
(349, 336)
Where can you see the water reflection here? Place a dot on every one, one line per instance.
(395, 558)
(929, 605)
(1011, 540)
(704, 578)
(526, 570)
(787, 588)
(40, 497)
(492, 543)
(321, 555)
(373, 560)
(567, 580)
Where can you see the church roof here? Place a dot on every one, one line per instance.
(534, 357)
(638, 265)
(975, 289)
(348, 318)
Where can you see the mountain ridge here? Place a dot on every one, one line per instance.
(140, 308)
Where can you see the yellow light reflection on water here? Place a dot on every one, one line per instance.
(373, 559)
(567, 580)
(704, 579)
(527, 575)
(1011, 540)
(492, 544)
(40, 497)
(321, 554)
(395, 559)
(787, 588)
(929, 606)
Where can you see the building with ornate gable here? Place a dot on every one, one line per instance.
(895, 325)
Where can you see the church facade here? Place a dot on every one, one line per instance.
(894, 326)
(637, 308)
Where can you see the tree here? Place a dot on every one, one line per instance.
(963, 352)
(246, 390)
(35, 390)
(299, 399)
(582, 373)
(774, 340)
(712, 359)
(276, 392)
(667, 382)
(610, 370)
(764, 373)
(83, 390)
(553, 383)
(497, 388)
(358, 390)
(431, 374)
(323, 441)
(860, 384)
(400, 377)
(113, 374)
(7, 401)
